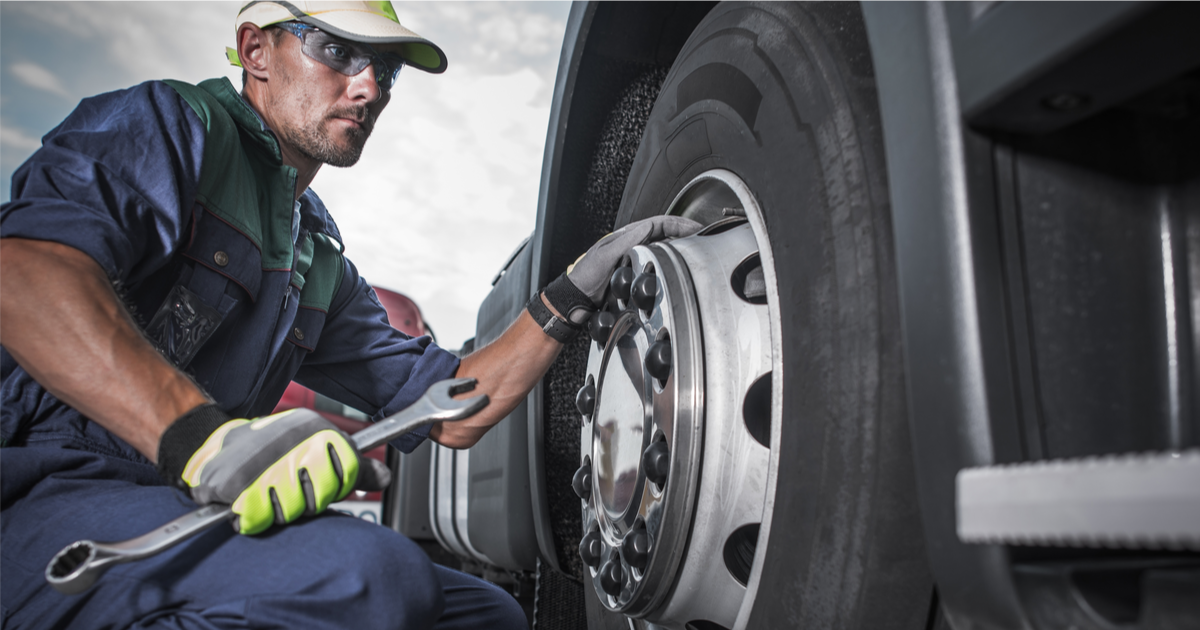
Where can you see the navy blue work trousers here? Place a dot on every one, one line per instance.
(329, 571)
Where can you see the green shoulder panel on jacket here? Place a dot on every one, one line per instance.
(324, 275)
(227, 185)
(244, 182)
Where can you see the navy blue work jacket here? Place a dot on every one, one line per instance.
(117, 180)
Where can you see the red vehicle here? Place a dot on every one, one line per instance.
(405, 316)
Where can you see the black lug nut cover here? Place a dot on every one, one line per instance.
(656, 461)
(658, 359)
(644, 288)
(581, 483)
(636, 548)
(600, 325)
(590, 548)
(621, 282)
(611, 576)
(585, 400)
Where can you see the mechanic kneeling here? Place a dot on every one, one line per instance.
(166, 273)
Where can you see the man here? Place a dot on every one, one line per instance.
(166, 272)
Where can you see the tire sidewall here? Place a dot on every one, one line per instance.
(811, 152)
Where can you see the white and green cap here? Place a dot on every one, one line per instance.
(373, 23)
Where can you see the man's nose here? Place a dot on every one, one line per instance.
(363, 85)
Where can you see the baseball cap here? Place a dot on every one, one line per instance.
(373, 23)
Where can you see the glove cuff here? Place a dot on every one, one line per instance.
(566, 298)
(184, 437)
(559, 330)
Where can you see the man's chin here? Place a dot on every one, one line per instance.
(349, 147)
(335, 147)
(343, 159)
(344, 153)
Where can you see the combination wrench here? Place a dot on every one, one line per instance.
(78, 565)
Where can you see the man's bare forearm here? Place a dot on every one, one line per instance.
(63, 323)
(507, 369)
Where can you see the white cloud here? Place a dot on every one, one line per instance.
(38, 77)
(145, 40)
(531, 35)
(14, 139)
(15, 146)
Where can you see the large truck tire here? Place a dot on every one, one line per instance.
(790, 496)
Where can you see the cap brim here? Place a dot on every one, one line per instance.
(356, 26)
(369, 28)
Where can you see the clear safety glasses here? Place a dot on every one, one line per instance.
(348, 58)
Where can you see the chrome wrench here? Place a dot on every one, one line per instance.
(75, 568)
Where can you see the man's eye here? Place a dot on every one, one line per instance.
(337, 52)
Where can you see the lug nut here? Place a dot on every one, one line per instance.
(600, 326)
(621, 282)
(611, 576)
(656, 461)
(591, 548)
(644, 288)
(585, 400)
(658, 359)
(636, 548)
(581, 483)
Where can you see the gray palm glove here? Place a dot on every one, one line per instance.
(580, 291)
(273, 469)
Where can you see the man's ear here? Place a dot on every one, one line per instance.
(254, 50)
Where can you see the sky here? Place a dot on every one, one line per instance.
(447, 186)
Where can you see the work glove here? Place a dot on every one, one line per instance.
(580, 291)
(270, 470)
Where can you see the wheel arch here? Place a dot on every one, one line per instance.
(602, 40)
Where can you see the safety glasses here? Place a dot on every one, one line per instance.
(348, 58)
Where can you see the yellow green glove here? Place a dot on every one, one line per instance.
(270, 470)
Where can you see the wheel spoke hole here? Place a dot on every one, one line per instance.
(756, 410)
(739, 552)
(748, 280)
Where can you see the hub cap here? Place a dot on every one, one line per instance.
(677, 441)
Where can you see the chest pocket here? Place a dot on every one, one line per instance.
(197, 304)
(318, 275)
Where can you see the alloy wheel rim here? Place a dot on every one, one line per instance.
(684, 355)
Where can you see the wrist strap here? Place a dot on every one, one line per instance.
(566, 298)
(184, 437)
(559, 330)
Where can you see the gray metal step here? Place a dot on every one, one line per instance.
(1126, 501)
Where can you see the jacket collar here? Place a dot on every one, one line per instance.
(243, 115)
(313, 215)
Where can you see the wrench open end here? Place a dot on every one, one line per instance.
(458, 409)
(69, 571)
(462, 385)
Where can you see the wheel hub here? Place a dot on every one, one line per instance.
(682, 358)
(646, 399)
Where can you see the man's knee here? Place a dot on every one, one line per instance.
(509, 614)
(379, 574)
(474, 603)
(394, 567)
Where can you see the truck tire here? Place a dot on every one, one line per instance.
(775, 104)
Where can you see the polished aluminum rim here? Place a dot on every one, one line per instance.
(679, 409)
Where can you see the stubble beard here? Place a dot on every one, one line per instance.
(315, 140)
